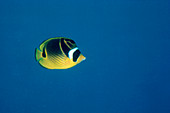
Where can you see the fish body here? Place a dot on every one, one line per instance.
(58, 53)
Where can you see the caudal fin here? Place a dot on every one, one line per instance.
(38, 54)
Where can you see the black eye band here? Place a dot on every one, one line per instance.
(76, 55)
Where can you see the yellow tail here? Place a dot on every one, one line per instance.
(38, 54)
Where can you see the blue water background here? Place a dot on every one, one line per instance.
(126, 43)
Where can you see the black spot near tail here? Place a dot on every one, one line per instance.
(43, 53)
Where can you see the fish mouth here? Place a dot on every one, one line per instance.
(84, 58)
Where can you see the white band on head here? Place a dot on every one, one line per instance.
(70, 54)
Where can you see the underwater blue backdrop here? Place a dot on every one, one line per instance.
(127, 49)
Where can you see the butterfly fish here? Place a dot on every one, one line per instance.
(58, 53)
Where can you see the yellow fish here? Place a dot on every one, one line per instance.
(58, 53)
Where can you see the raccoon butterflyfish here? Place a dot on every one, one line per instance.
(58, 53)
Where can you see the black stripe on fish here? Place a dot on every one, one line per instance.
(53, 47)
(64, 47)
(70, 44)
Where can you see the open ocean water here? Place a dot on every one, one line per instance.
(127, 48)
